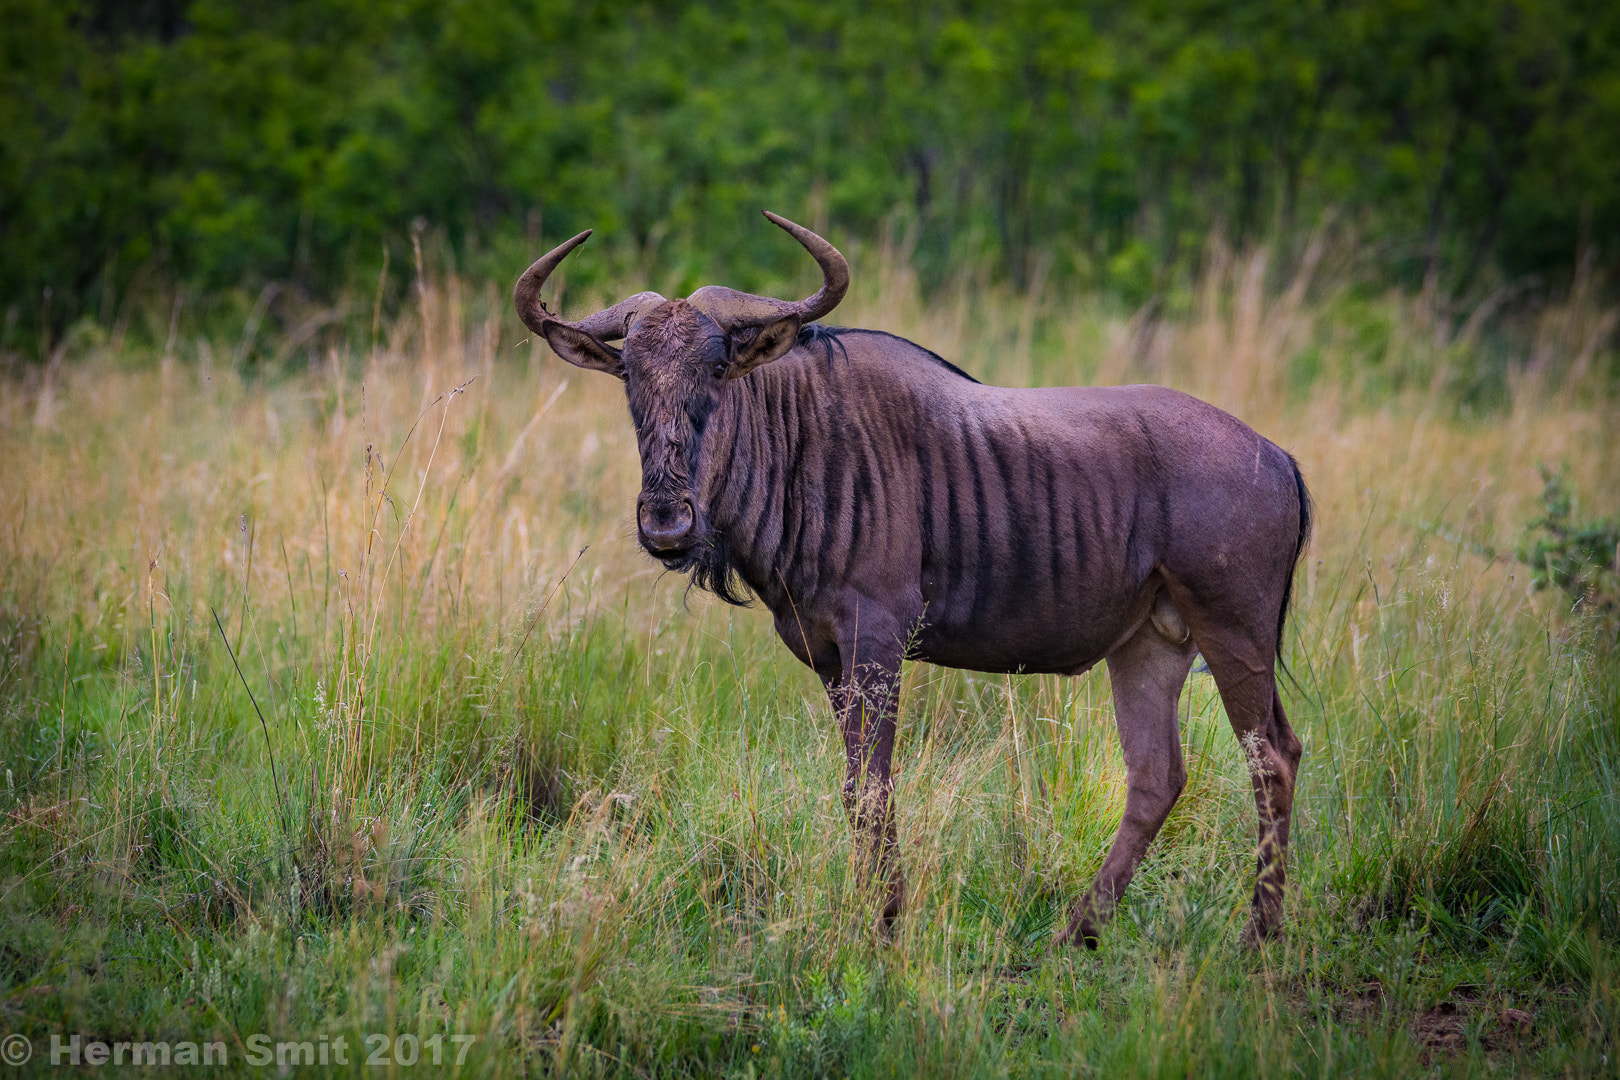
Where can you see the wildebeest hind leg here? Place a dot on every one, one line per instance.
(1147, 674)
(1242, 666)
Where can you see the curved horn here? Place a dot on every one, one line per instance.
(526, 293)
(834, 270)
(614, 323)
(611, 324)
(735, 310)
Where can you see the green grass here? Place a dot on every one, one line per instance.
(505, 789)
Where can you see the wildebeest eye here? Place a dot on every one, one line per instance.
(698, 413)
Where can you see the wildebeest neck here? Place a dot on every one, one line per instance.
(776, 457)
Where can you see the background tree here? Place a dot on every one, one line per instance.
(228, 144)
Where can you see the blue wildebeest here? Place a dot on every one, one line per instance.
(886, 506)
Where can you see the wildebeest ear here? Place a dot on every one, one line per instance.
(582, 350)
(769, 344)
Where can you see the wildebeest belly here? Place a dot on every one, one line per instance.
(1025, 630)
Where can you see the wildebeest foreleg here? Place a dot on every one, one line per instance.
(865, 701)
(1147, 673)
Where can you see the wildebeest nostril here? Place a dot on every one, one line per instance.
(665, 525)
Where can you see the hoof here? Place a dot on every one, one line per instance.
(1259, 932)
(1078, 934)
(885, 927)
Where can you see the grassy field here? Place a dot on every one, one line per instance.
(471, 766)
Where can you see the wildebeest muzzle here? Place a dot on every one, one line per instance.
(667, 527)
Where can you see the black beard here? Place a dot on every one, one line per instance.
(709, 565)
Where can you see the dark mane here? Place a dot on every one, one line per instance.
(825, 339)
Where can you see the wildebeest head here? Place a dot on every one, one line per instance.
(677, 359)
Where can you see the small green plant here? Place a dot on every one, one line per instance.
(1582, 558)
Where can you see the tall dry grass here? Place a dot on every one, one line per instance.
(476, 766)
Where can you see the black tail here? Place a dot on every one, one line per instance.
(1299, 550)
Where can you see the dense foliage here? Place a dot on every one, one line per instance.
(1580, 557)
(228, 143)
